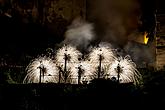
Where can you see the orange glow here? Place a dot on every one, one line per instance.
(145, 37)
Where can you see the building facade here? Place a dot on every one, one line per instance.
(160, 41)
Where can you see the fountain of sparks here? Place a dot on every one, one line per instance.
(69, 67)
(124, 70)
(100, 58)
(41, 70)
(67, 58)
(84, 72)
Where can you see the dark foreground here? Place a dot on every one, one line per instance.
(101, 95)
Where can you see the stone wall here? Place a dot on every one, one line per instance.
(49, 11)
(160, 42)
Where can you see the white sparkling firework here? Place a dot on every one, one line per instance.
(107, 57)
(86, 72)
(128, 72)
(33, 71)
(68, 63)
(73, 56)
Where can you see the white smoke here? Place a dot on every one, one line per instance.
(115, 20)
(79, 34)
(142, 55)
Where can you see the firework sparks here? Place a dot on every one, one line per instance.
(126, 69)
(34, 68)
(83, 72)
(101, 57)
(67, 58)
(71, 68)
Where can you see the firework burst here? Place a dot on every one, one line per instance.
(83, 72)
(124, 70)
(33, 71)
(67, 58)
(69, 67)
(101, 57)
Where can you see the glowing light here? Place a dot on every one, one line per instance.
(128, 72)
(69, 67)
(33, 71)
(67, 58)
(86, 72)
(145, 37)
(101, 56)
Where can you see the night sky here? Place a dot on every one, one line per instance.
(19, 38)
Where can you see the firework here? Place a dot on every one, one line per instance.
(101, 57)
(124, 70)
(44, 64)
(67, 58)
(69, 67)
(83, 73)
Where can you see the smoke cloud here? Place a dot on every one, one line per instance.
(116, 22)
(114, 19)
(142, 55)
(79, 34)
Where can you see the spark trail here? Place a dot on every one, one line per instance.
(127, 73)
(33, 71)
(67, 58)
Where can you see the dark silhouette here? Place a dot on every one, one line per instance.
(42, 71)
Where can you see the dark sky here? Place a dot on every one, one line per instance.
(18, 38)
(160, 6)
(148, 14)
(148, 6)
